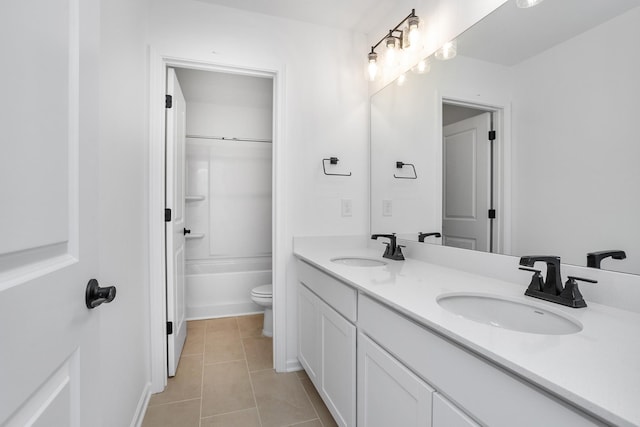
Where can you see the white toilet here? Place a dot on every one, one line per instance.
(263, 296)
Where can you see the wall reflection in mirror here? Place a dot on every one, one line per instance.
(558, 83)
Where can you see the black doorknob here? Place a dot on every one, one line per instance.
(186, 231)
(95, 295)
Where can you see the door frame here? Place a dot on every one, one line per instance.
(158, 64)
(502, 159)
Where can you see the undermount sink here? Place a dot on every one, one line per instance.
(505, 313)
(358, 262)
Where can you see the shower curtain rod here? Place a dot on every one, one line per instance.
(224, 138)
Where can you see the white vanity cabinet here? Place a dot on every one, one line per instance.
(327, 340)
(480, 391)
(446, 414)
(388, 393)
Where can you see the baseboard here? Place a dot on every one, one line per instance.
(141, 409)
(293, 365)
(226, 310)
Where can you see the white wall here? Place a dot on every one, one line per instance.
(228, 105)
(325, 110)
(585, 176)
(124, 363)
(235, 216)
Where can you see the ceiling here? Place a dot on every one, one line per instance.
(510, 35)
(354, 15)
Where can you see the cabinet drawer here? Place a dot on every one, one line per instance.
(491, 395)
(337, 294)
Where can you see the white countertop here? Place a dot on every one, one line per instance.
(598, 368)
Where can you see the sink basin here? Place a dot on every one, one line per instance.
(358, 262)
(506, 313)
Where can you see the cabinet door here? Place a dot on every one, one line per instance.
(338, 365)
(309, 333)
(388, 393)
(445, 414)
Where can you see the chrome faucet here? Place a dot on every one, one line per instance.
(551, 289)
(393, 251)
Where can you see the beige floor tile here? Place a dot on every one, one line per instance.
(224, 326)
(187, 384)
(222, 348)
(318, 404)
(197, 324)
(312, 423)
(302, 374)
(195, 341)
(227, 388)
(251, 326)
(178, 414)
(259, 352)
(281, 399)
(246, 418)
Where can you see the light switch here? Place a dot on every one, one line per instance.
(346, 207)
(387, 208)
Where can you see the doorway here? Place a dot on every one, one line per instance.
(470, 184)
(269, 264)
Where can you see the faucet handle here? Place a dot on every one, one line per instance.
(572, 293)
(537, 283)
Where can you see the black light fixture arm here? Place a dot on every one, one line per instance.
(396, 28)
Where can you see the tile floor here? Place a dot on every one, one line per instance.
(225, 379)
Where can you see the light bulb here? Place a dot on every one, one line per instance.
(372, 68)
(523, 4)
(414, 31)
(422, 67)
(448, 51)
(392, 49)
(401, 79)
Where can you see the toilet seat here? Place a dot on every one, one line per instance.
(263, 291)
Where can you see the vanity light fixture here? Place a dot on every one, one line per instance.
(399, 38)
(523, 4)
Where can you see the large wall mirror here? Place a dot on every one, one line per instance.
(559, 84)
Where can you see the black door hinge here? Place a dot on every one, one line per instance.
(168, 101)
(492, 214)
(492, 135)
(167, 215)
(169, 328)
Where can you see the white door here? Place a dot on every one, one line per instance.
(308, 333)
(466, 152)
(49, 353)
(388, 393)
(338, 365)
(175, 229)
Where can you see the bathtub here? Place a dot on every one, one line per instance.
(223, 288)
